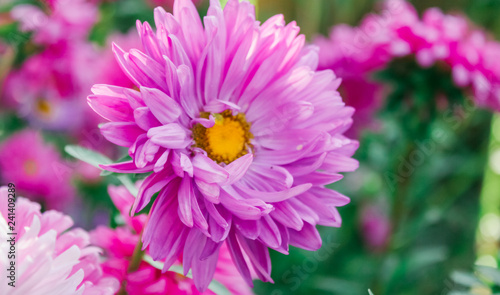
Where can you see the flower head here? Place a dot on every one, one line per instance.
(51, 258)
(239, 132)
(36, 168)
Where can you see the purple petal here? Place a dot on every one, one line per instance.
(248, 228)
(170, 136)
(207, 123)
(238, 168)
(221, 217)
(240, 207)
(164, 234)
(308, 238)
(270, 197)
(126, 167)
(121, 133)
(269, 232)
(239, 259)
(186, 196)
(165, 109)
(211, 191)
(152, 184)
(208, 171)
(160, 163)
(259, 256)
(219, 229)
(285, 214)
(145, 118)
(112, 108)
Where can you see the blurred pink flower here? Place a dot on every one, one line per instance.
(57, 20)
(51, 258)
(119, 245)
(36, 168)
(357, 53)
(108, 67)
(375, 227)
(167, 3)
(49, 89)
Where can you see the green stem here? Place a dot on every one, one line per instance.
(489, 201)
(398, 210)
(135, 262)
(136, 257)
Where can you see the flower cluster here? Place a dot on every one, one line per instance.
(54, 98)
(119, 245)
(51, 258)
(357, 52)
(239, 131)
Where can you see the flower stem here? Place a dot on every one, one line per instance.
(136, 257)
(398, 210)
(135, 262)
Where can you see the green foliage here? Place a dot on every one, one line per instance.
(484, 280)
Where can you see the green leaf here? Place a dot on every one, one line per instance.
(95, 159)
(466, 279)
(127, 183)
(88, 156)
(123, 159)
(490, 273)
(370, 292)
(214, 286)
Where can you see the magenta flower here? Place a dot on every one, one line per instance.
(356, 53)
(52, 23)
(36, 168)
(375, 227)
(239, 132)
(119, 244)
(51, 258)
(52, 98)
(167, 3)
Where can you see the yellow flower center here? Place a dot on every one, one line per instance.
(227, 140)
(30, 167)
(43, 107)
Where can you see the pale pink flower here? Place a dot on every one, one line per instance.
(50, 257)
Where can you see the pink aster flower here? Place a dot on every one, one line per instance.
(119, 244)
(36, 168)
(239, 132)
(51, 258)
(52, 22)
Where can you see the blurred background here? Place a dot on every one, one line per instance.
(435, 232)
